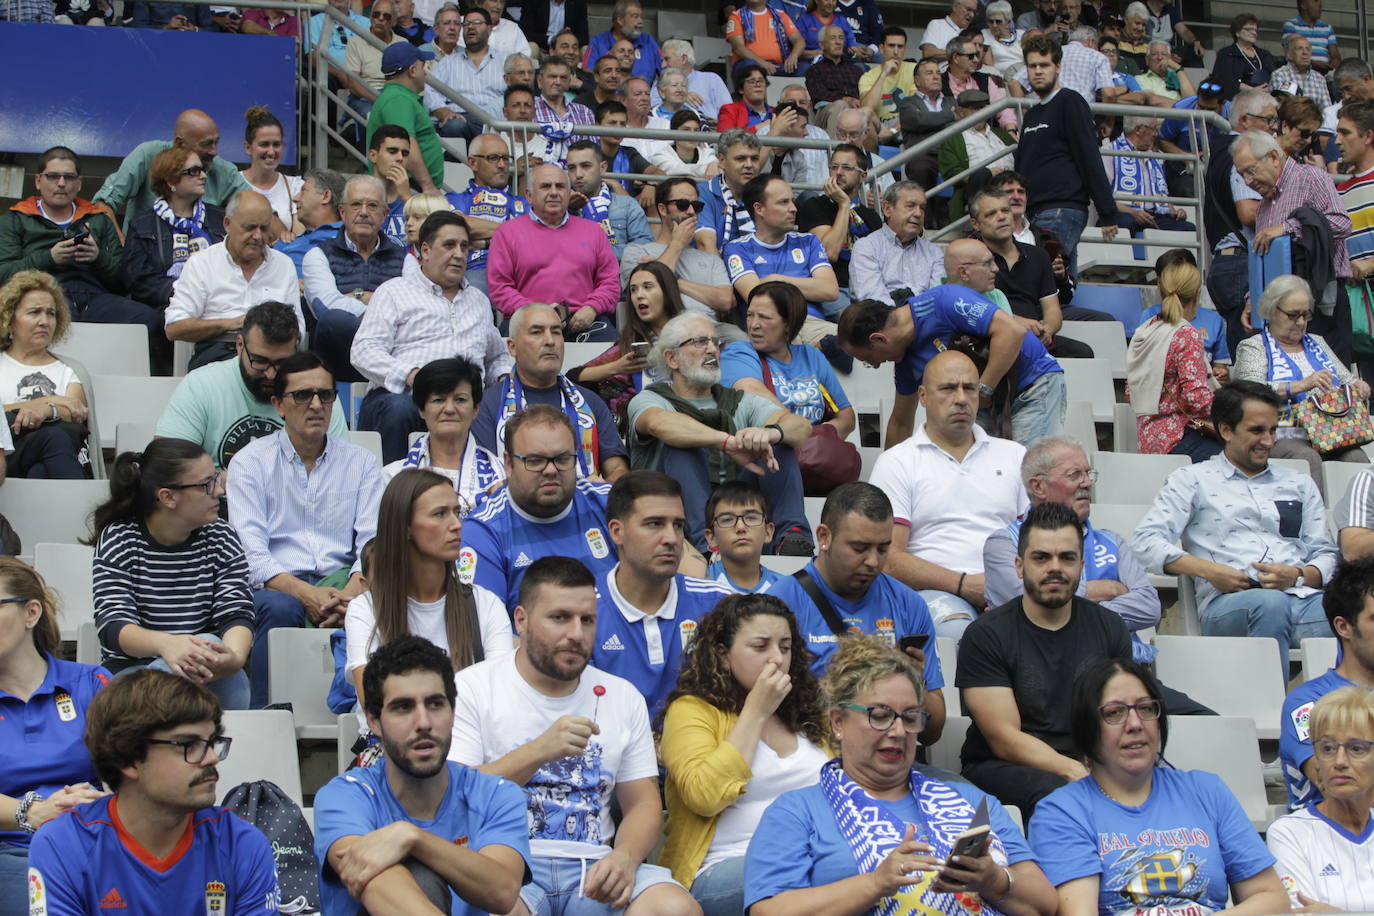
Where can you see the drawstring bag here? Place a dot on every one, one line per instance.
(281, 820)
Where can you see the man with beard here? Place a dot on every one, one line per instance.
(703, 434)
(573, 736)
(157, 844)
(417, 833)
(227, 404)
(1015, 660)
(475, 72)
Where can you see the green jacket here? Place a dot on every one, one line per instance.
(27, 237)
(401, 105)
(953, 159)
(129, 187)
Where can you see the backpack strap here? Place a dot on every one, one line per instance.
(809, 586)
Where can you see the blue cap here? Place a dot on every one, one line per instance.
(400, 55)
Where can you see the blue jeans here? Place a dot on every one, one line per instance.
(555, 887)
(1267, 612)
(334, 333)
(1039, 410)
(1196, 446)
(782, 489)
(273, 609)
(14, 879)
(950, 613)
(720, 889)
(395, 416)
(232, 691)
(1067, 225)
(1228, 280)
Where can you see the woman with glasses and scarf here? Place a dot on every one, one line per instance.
(180, 224)
(169, 578)
(875, 835)
(1135, 833)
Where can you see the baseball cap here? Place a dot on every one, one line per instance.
(400, 55)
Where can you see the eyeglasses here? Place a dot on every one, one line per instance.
(1355, 748)
(683, 205)
(701, 342)
(193, 749)
(56, 177)
(881, 717)
(1078, 475)
(1115, 713)
(841, 167)
(382, 17)
(16, 600)
(538, 463)
(1305, 132)
(751, 519)
(195, 171)
(493, 158)
(475, 22)
(970, 54)
(370, 206)
(210, 484)
(987, 264)
(756, 81)
(303, 396)
(260, 363)
(1296, 317)
(1267, 119)
(992, 21)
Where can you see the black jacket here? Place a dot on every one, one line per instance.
(148, 254)
(1231, 65)
(534, 21)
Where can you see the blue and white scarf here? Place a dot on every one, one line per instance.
(477, 470)
(746, 22)
(579, 413)
(739, 222)
(873, 832)
(188, 236)
(1144, 177)
(1282, 368)
(598, 210)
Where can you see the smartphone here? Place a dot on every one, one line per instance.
(914, 641)
(973, 842)
(1053, 248)
(81, 233)
(640, 348)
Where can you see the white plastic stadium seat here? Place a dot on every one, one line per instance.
(1091, 380)
(51, 511)
(1123, 478)
(1234, 675)
(945, 752)
(347, 724)
(368, 439)
(1318, 655)
(300, 670)
(1078, 424)
(1229, 747)
(1336, 478)
(1107, 338)
(264, 747)
(66, 568)
(116, 349)
(948, 651)
(1125, 431)
(133, 437)
(127, 399)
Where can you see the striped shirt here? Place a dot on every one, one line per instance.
(1320, 34)
(1311, 85)
(1357, 195)
(200, 586)
(558, 127)
(483, 84)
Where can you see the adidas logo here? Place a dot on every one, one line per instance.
(613, 644)
(113, 901)
(1330, 871)
(758, 259)
(522, 560)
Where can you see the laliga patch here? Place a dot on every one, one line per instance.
(798, 255)
(596, 543)
(215, 898)
(467, 565)
(734, 264)
(688, 631)
(1301, 716)
(38, 894)
(66, 709)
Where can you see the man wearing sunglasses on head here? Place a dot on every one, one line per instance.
(158, 844)
(304, 503)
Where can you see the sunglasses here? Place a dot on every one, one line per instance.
(1209, 87)
(304, 396)
(683, 205)
(194, 171)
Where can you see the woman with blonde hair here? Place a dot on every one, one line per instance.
(416, 209)
(1168, 380)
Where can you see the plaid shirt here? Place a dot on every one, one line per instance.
(26, 11)
(828, 81)
(1311, 84)
(545, 114)
(1302, 185)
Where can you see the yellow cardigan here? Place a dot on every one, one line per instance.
(706, 775)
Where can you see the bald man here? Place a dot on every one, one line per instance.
(951, 486)
(911, 334)
(220, 283)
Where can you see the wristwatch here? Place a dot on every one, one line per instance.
(781, 434)
(985, 391)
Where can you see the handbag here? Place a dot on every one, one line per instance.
(1334, 420)
(826, 461)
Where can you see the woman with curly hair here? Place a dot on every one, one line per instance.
(744, 725)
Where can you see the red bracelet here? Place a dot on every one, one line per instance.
(726, 444)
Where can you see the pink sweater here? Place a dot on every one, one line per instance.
(532, 262)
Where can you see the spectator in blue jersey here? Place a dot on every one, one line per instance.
(304, 503)
(849, 844)
(774, 251)
(703, 434)
(647, 611)
(725, 217)
(158, 844)
(1208, 322)
(169, 578)
(1087, 835)
(342, 273)
(44, 767)
(545, 508)
(912, 333)
(627, 24)
(592, 198)
(536, 343)
(1349, 605)
(577, 739)
(792, 375)
(850, 592)
(317, 208)
(417, 833)
(745, 723)
(738, 528)
(487, 202)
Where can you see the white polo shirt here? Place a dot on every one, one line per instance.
(952, 506)
(211, 286)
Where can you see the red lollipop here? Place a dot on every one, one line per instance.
(600, 692)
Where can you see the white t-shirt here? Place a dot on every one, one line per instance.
(280, 195)
(1324, 861)
(772, 776)
(19, 382)
(952, 506)
(940, 32)
(569, 799)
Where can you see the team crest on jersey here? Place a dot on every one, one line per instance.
(66, 709)
(467, 565)
(688, 631)
(887, 629)
(216, 898)
(596, 543)
(38, 894)
(1301, 716)
(798, 255)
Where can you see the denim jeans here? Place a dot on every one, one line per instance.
(232, 691)
(1039, 410)
(14, 879)
(1267, 612)
(1196, 446)
(720, 889)
(951, 614)
(1067, 225)
(1228, 280)
(555, 887)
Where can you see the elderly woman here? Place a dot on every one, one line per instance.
(1299, 120)
(1167, 376)
(1134, 41)
(45, 404)
(1242, 57)
(1336, 830)
(744, 725)
(42, 774)
(1297, 364)
(179, 225)
(849, 844)
(672, 91)
(771, 365)
(1003, 38)
(1101, 838)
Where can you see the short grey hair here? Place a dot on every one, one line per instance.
(1083, 33)
(1000, 6)
(513, 59)
(1042, 455)
(623, 91)
(956, 45)
(1134, 121)
(622, 7)
(232, 206)
(449, 7)
(517, 321)
(673, 334)
(1286, 40)
(327, 180)
(1250, 102)
(1279, 289)
(372, 180)
(897, 188)
(827, 30)
(1136, 10)
(1157, 44)
(734, 137)
(680, 46)
(668, 71)
(1257, 142)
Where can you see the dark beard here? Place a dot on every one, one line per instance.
(255, 386)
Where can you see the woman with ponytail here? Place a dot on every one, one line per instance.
(1168, 379)
(44, 766)
(169, 578)
(263, 139)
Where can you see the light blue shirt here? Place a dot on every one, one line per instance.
(338, 35)
(307, 525)
(1220, 514)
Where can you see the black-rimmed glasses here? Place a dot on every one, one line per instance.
(537, 463)
(751, 519)
(1115, 713)
(881, 717)
(209, 484)
(193, 749)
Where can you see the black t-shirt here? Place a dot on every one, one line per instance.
(820, 211)
(1002, 648)
(1027, 282)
